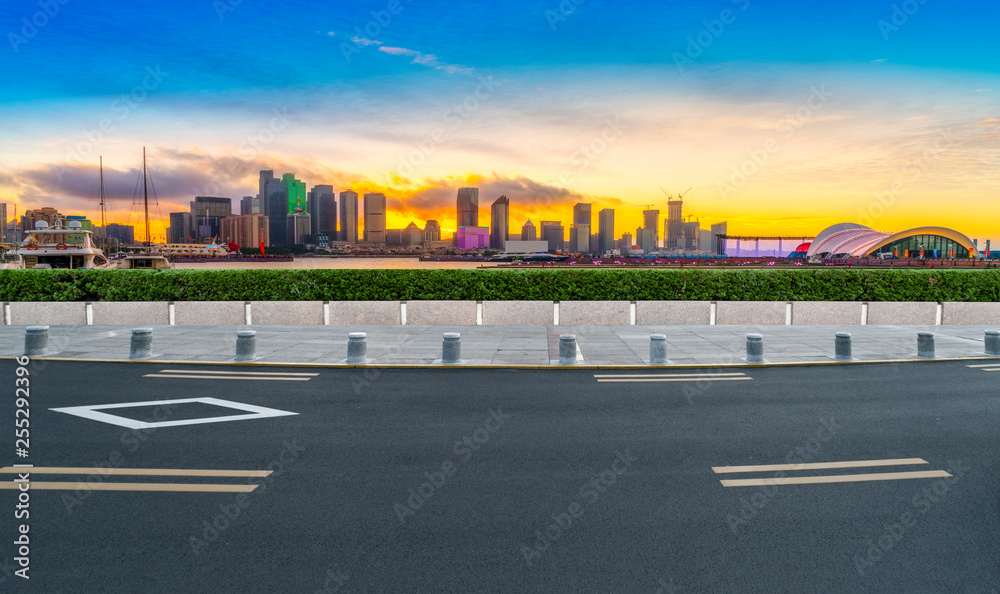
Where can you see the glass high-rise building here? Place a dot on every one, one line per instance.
(296, 193)
(207, 213)
(348, 216)
(675, 224)
(553, 232)
(323, 210)
(500, 223)
(468, 207)
(581, 214)
(606, 230)
(375, 218)
(529, 232)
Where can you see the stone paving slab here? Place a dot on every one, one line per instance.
(504, 345)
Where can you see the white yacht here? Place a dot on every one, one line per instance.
(59, 246)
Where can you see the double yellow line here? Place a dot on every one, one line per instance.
(113, 486)
(836, 478)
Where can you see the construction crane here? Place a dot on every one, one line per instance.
(679, 196)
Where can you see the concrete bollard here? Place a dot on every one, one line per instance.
(658, 349)
(925, 344)
(246, 345)
(451, 348)
(755, 348)
(993, 343)
(141, 346)
(36, 341)
(567, 349)
(357, 347)
(842, 346)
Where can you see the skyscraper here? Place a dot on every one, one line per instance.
(296, 193)
(180, 228)
(719, 245)
(3, 222)
(651, 221)
(581, 214)
(375, 218)
(579, 239)
(207, 213)
(412, 235)
(468, 207)
(528, 232)
(605, 230)
(323, 208)
(277, 211)
(250, 205)
(553, 232)
(675, 224)
(500, 223)
(348, 216)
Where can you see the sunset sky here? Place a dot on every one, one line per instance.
(783, 117)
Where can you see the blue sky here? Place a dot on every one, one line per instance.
(703, 83)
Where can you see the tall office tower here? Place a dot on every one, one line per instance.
(528, 232)
(250, 205)
(718, 245)
(605, 230)
(581, 214)
(206, 214)
(691, 235)
(500, 223)
(297, 227)
(579, 239)
(3, 222)
(675, 224)
(412, 235)
(553, 232)
(646, 238)
(626, 243)
(180, 228)
(266, 177)
(246, 231)
(468, 207)
(348, 216)
(375, 218)
(296, 193)
(323, 211)
(432, 231)
(277, 213)
(651, 220)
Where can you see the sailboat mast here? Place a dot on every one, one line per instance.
(145, 195)
(103, 224)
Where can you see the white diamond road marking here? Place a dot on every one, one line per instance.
(93, 412)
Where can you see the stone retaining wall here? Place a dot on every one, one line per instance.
(510, 313)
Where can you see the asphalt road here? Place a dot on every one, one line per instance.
(509, 481)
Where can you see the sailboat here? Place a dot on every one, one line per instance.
(149, 260)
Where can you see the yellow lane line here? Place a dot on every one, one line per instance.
(174, 487)
(842, 478)
(230, 377)
(680, 379)
(818, 465)
(234, 372)
(134, 471)
(674, 375)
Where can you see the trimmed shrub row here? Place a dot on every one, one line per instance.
(500, 285)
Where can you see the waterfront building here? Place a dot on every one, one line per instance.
(125, 234)
(472, 238)
(651, 221)
(250, 205)
(646, 238)
(207, 213)
(579, 239)
(850, 240)
(394, 237)
(605, 230)
(298, 227)
(553, 232)
(374, 218)
(468, 207)
(322, 208)
(500, 223)
(180, 230)
(581, 214)
(246, 231)
(412, 235)
(47, 214)
(528, 232)
(432, 232)
(626, 242)
(348, 216)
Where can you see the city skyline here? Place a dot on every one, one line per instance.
(781, 123)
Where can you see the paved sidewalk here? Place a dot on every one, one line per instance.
(504, 346)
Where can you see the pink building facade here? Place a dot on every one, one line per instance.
(472, 238)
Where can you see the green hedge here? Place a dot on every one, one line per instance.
(558, 285)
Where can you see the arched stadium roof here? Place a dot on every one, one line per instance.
(853, 240)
